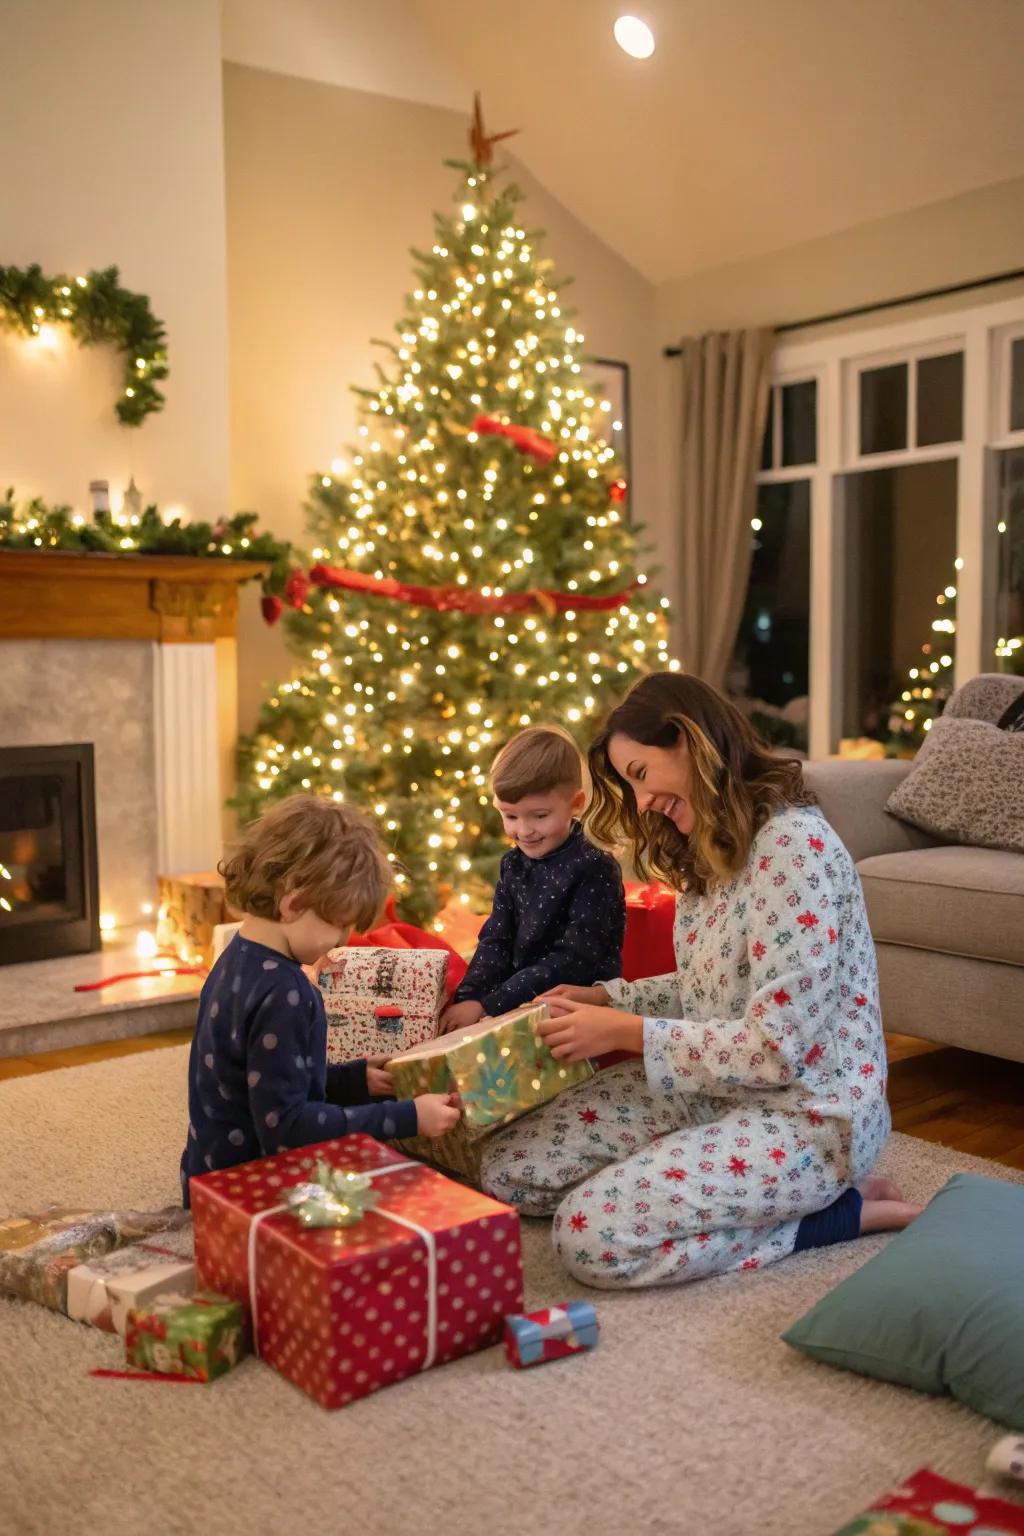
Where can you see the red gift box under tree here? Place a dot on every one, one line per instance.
(424, 1277)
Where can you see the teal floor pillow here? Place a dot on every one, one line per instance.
(941, 1308)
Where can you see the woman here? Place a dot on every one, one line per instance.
(751, 1125)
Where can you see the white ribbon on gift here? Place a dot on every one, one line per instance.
(426, 1237)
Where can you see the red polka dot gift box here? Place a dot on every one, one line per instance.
(928, 1504)
(412, 1271)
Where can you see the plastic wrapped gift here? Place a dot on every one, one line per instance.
(38, 1251)
(200, 1336)
(550, 1334)
(379, 1001)
(358, 1267)
(103, 1292)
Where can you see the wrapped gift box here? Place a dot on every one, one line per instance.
(191, 907)
(103, 1292)
(550, 1334)
(928, 1504)
(380, 1001)
(38, 1251)
(424, 1277)
(500, 1068)
(201, 1336)
(648, 948)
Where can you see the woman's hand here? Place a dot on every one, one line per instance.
(597, 997)
(583, 1029)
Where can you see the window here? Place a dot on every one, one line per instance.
(883, 409)
(791, 431)
(1009, 614)
(900, 548)
(1017, 385)
(771, 662)
(940, 399)
(913, 404)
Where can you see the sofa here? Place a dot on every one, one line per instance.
(948, 920)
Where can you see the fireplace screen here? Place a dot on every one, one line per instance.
(49, 903)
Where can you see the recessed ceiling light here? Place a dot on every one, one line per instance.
(634, 37)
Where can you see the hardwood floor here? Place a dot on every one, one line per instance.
(957, 1098)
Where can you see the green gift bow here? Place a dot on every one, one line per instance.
(338, 1198)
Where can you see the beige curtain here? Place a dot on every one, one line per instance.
(725, 402)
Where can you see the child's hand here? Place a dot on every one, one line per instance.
(459, 1015)
(555, 997)
(583, 1030)
(436, 1114)
(378, 1078)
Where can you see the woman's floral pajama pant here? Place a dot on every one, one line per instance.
(650, 1192)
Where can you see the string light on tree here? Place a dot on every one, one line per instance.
(480, 576)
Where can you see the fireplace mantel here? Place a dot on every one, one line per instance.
(182, 609)
(60, 595)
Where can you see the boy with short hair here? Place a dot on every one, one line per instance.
(559, 912)
(306, 873)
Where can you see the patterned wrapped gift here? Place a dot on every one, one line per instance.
(380, 1001)
(38, 1251)
(191, 906)
(103, 1292)
(500, 1068)
(417, 1272)
(201, 1336)
(550, 1334)
(928, 1504)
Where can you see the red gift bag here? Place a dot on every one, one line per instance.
(424, 1276)
(394, 934)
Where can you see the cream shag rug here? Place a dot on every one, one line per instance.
(691, 1417)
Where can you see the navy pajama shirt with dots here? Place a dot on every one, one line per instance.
(559, 919)
(258, 1080)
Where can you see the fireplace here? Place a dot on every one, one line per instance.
(49, 890)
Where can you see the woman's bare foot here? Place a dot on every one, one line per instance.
(884, 1208)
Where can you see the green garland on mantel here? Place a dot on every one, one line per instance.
(41, 527)
(96, 310)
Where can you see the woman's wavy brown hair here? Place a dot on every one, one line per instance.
(737, 782)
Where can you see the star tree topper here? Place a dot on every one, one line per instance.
(480, 141)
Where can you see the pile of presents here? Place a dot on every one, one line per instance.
(348, 1265)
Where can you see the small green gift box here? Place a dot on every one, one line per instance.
(201, 1336)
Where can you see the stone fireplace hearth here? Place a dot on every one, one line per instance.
(135, 655)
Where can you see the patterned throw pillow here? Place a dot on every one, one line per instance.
(966, 785)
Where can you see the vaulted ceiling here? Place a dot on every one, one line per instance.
(757, 124)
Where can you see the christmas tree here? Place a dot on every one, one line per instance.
(474, 569)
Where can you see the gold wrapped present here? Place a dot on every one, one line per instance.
(191, 907)
(500, 1068)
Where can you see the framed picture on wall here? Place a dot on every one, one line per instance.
(612, 379)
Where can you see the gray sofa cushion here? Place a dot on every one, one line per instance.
(966, 785)
(961, 901)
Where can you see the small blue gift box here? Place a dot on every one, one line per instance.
(550, 1334)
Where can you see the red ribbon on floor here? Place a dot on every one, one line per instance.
(191, 1381)
(165, 970)
(461, 599)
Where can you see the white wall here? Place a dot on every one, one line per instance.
(111, 127)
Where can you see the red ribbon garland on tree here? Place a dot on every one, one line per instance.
(455, 599)
(523, 439)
